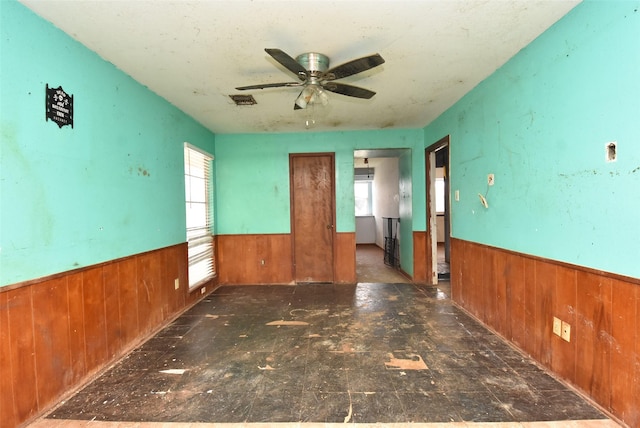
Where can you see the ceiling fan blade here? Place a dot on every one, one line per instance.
(288, 62)
(353, 67)
(348, 90)
(269, 85)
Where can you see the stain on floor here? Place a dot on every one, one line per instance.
(365, 353)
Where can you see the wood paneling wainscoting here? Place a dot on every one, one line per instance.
(256, 259)
(518, 295)
(345, 258)
(59, 331)
(421, 267)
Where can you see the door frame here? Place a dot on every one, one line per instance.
(332, 155)
(431, 249)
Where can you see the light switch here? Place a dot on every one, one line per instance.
(557, 326)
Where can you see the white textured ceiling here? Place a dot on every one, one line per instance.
(194, 53)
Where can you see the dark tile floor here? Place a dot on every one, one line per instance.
(326, 353)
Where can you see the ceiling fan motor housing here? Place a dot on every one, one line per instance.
(313, 61)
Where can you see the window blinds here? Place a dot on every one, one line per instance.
(199, 219)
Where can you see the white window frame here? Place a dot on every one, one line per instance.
(199, 215)
(440, 193)
(369, 206)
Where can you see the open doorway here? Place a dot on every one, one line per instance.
(377, 215)
(438, 210)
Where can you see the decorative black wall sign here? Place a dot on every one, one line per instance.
(59, 106)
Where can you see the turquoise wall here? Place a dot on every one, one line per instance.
(540, 124)
(252, 178)
(113, 185)
(110, 187)
(405, 206)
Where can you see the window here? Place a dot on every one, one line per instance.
(199, 215)
(440, 208)
(363, 189)
(363, 192)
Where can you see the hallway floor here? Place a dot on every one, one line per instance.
(370, 266)
(365, 353)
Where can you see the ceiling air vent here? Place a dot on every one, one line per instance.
(243, 100)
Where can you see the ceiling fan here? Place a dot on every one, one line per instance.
(315, 76)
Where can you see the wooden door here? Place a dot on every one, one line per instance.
(432, 237)
(312, 216)
(442, 147)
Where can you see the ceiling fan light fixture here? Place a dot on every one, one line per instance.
(311, 95)
(322, 96)
(304, 98)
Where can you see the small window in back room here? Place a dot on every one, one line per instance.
(197, 176)
(440, 195)
(363, 191)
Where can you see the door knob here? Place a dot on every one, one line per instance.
(329, 226)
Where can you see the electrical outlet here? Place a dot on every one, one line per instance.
(490, 179)
(203, 290)
(457, 195)
(566, 331)
(176, 283)
(557, 326)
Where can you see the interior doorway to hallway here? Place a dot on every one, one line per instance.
(377, 189)
(438, 210)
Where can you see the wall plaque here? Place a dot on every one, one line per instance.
(59, 106)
